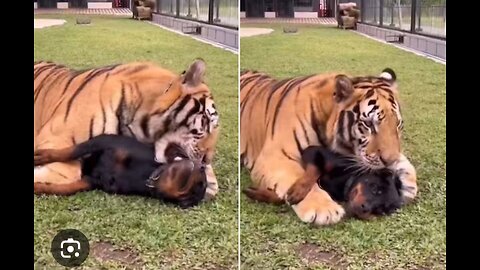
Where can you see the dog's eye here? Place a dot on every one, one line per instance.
(374, 188)
(177, 158)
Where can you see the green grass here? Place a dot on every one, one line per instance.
(415, 237)
(164, 237)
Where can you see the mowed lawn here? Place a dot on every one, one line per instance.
(414, 238)
(138, 232)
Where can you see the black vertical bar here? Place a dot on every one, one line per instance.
(419, 15)
(413, 14)
(362, 10)
(210, 11)
(177, 11)
(381, 12)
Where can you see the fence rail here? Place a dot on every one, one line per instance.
(424, 17)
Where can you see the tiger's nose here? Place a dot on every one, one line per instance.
(386, 161)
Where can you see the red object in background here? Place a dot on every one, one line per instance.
(117, 3)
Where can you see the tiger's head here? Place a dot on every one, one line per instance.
(186, 114)
(367, 122)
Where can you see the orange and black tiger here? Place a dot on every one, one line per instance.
(140, 100)
(355, 116)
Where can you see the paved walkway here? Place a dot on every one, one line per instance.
(325, 21)
(41, 23)
(85, 11)
(251, 31)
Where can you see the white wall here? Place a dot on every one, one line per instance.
(305, 15)
(99, 4)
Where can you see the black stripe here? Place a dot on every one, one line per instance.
(90, 131)
(119, 110)
(180, 106)
(356, 109)
(279, 104)
(304, 130)
(246, 81)
(369, 94)
(144, 121)
(388, 90)
(317, 127)
(341, 123)
(104, 117)
(89, 78)
(50, 84)
(299, 146)
(194, 110)
(373, 108)
(40, 70)
(372, 102)
(287, 155)
(350, 118)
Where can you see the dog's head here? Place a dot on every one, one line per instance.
(373, 194)
(181, 181)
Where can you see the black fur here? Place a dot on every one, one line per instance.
(380, 190)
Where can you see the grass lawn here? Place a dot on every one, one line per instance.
(142, 232)
(414, 238)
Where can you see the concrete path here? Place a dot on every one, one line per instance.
(323, 20)
(250, 31)
(41, 23)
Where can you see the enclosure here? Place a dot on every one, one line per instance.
(217, 12)
(424, 17)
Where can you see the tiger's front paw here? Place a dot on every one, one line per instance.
(318, 208)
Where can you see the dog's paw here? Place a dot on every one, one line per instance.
(318, 208)
(298, 191)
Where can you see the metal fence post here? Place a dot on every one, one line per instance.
(177, 11)
(381, 12)
(210, 11)
(362, 10)
(419, 28)
(413, 14)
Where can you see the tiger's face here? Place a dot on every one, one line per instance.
(369, 121)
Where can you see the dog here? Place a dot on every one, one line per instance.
(366, 195)
(122, 165)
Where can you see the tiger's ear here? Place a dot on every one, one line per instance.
(388, 74)
(343, 88)
(194, 75)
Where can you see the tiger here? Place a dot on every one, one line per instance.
(356, 116)
(139, 99)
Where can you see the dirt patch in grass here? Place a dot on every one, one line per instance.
(312, 255)
(104, 251)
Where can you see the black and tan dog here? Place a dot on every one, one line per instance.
(122, 165)
(366, 194)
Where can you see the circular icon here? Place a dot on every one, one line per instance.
(70, 248)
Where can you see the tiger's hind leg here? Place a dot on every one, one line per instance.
(280, 174)
(61, 189)
(56, 173)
